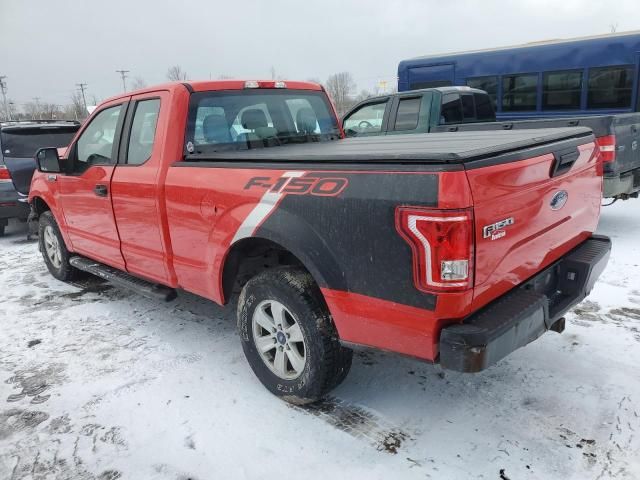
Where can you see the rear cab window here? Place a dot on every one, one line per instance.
(451, 111)
(230, 120)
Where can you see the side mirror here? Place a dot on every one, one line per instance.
(48, 160)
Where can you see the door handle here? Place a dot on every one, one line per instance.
(101, 190)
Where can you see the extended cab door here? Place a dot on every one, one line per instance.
(410, 113)
(85, 188)
(138, 188)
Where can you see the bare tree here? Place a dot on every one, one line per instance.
(32, 110)
(10, 112)
(138, 83)
(176, 74)
(340, 87)
(77, 110)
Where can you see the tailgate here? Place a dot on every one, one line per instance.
(531, 211)
(21, 170)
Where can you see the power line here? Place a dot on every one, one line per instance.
(123, 74)
(82, 86)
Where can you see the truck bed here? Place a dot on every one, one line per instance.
(429, 148)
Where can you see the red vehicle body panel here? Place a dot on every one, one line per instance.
(176, 226)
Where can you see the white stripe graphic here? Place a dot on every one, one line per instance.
(261, 211)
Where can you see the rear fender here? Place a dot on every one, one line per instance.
(299, 239)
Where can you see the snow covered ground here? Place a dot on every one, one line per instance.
(98, 383)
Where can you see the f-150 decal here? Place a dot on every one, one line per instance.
(286, 184)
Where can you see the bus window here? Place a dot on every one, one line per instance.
(488, 84)
(451, 109)
(561, 90)
(519, 92)
(610, 87)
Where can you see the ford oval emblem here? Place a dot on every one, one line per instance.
(559, 199)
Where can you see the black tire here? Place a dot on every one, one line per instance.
(327, 362)
(2, 227)
(64, 271)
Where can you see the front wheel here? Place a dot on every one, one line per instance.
(54, 251)
(288, 336)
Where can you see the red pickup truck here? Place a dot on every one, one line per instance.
(455, 249)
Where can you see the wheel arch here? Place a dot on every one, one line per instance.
(277, 249)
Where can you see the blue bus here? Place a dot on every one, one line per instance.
(581, 76)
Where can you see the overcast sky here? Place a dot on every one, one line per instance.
(47, 46)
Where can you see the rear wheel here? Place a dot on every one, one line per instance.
(54, 251)
(288, 336)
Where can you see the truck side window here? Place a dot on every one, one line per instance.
(468, 108)
(484, 109)
(95, 145)
(408, 113)
(451, 108)
(143, 131)
(365, 120)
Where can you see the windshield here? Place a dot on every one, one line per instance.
(244, 119)
(23, 142)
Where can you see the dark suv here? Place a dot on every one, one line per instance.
(18, 144)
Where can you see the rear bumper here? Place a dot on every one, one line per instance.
(622, 185)
(526, 312)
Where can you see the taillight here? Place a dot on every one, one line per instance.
(442, 246)
(5, 175)
(607, 146)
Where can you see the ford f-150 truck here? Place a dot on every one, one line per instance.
(455, 249)
(464, 109)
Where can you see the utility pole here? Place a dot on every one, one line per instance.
(82, 86)
(3, 88)
(123, 74)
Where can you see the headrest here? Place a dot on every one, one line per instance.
(216, 129)
(306, 120)
(253, 118)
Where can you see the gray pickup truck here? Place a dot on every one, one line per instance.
(460, 109)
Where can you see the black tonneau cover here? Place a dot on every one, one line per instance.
(460, 147)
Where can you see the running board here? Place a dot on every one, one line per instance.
(124, 280)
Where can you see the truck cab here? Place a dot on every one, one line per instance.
(418, 111)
